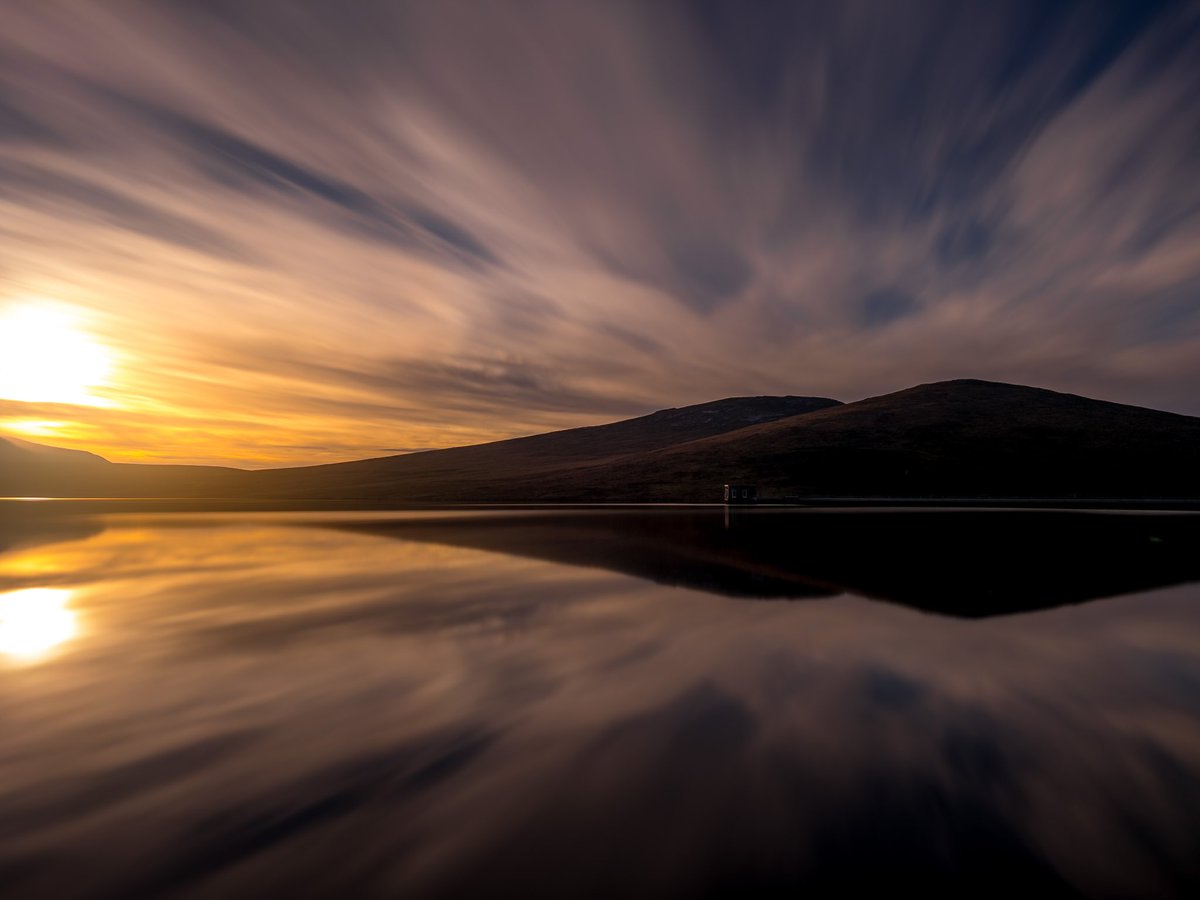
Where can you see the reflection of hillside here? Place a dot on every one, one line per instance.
(962, 563)
(22, 532)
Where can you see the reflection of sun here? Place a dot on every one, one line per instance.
(34, 621)
(45, 357)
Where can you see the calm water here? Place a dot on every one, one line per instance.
(654, 703)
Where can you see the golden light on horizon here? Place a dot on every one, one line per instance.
(35, 621)
(47, 357)
(36, 428)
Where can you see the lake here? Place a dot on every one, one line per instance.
(608, 702)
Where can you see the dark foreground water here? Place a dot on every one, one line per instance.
(640, 703)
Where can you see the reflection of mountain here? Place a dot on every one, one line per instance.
(962, 563)
(953, 439)
(22, 531)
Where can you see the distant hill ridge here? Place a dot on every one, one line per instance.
(963, 438)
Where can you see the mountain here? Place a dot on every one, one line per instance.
(39, 454)
(34, 470)
(26, 468)
(949, 439)
(456, 473)
(519, 469)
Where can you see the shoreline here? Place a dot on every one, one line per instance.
(97, 505)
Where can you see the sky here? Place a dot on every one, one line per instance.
(280, 233)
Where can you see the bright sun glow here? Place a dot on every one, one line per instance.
(46, 358)
(34, 621)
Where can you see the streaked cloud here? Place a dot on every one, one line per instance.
(308, 232)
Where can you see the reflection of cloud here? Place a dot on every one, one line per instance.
(308, 712)
(285, 214)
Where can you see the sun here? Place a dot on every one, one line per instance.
(45, 357)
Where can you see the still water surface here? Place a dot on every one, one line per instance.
(669, 703)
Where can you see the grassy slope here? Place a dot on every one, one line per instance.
(961, 438)
(515, 469)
